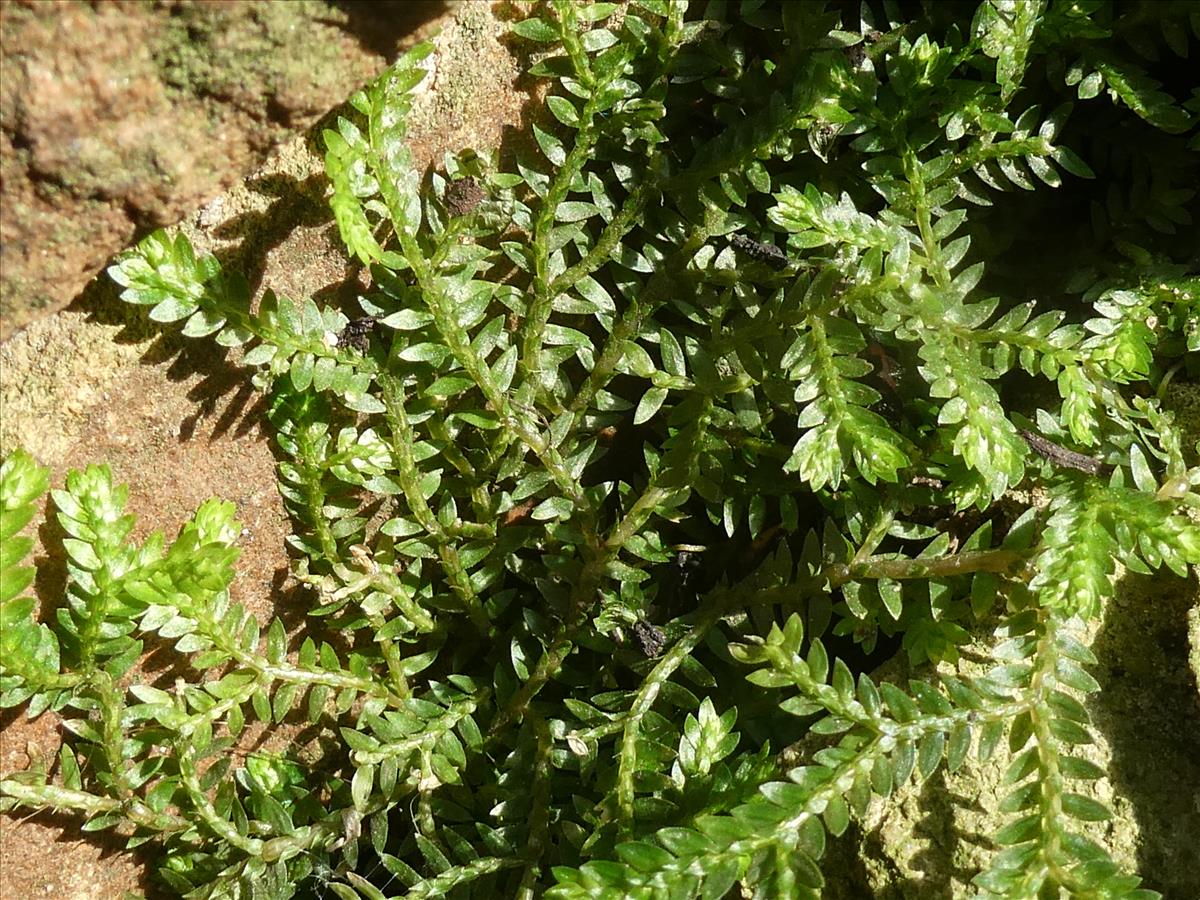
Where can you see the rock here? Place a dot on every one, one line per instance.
(119, 117)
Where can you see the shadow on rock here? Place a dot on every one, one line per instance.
(295, 203)
(1149, 712)
(224, 389)
(380, 25)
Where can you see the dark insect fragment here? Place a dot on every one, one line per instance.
(858, 53)
(688, 566)
(463, 196)
(357, 334)
(822, 138)
(650, 638)
(1061, 456)
(764, 253)
(682, 581)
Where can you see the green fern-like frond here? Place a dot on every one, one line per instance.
(1075, 577)
(1044, 848)
(29, 651)
(97, 624)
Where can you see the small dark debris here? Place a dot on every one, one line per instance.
(650, 638)
(926, 481)
(764, 253)
(683, 580)
(687, 564)
(357, 334)
(463, 196)
(857, 54)
(518, 515)
(1061, 456)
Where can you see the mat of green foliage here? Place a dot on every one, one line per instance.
(811, 328)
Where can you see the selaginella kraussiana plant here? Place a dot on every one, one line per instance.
(626, 433)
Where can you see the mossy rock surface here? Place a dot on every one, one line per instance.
(119, 117)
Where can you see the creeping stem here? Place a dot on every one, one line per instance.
(717, 605)
(308, 462)
(543, 293)
(1004, 562)
(402, 442)
(55, 797)
(630, 322)
(539, 813)
(1050, 777)
(514, 419)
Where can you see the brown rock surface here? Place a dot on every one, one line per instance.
(118, 117)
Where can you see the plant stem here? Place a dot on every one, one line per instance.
(409, 477)
(1004, 562)
(91, 805)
